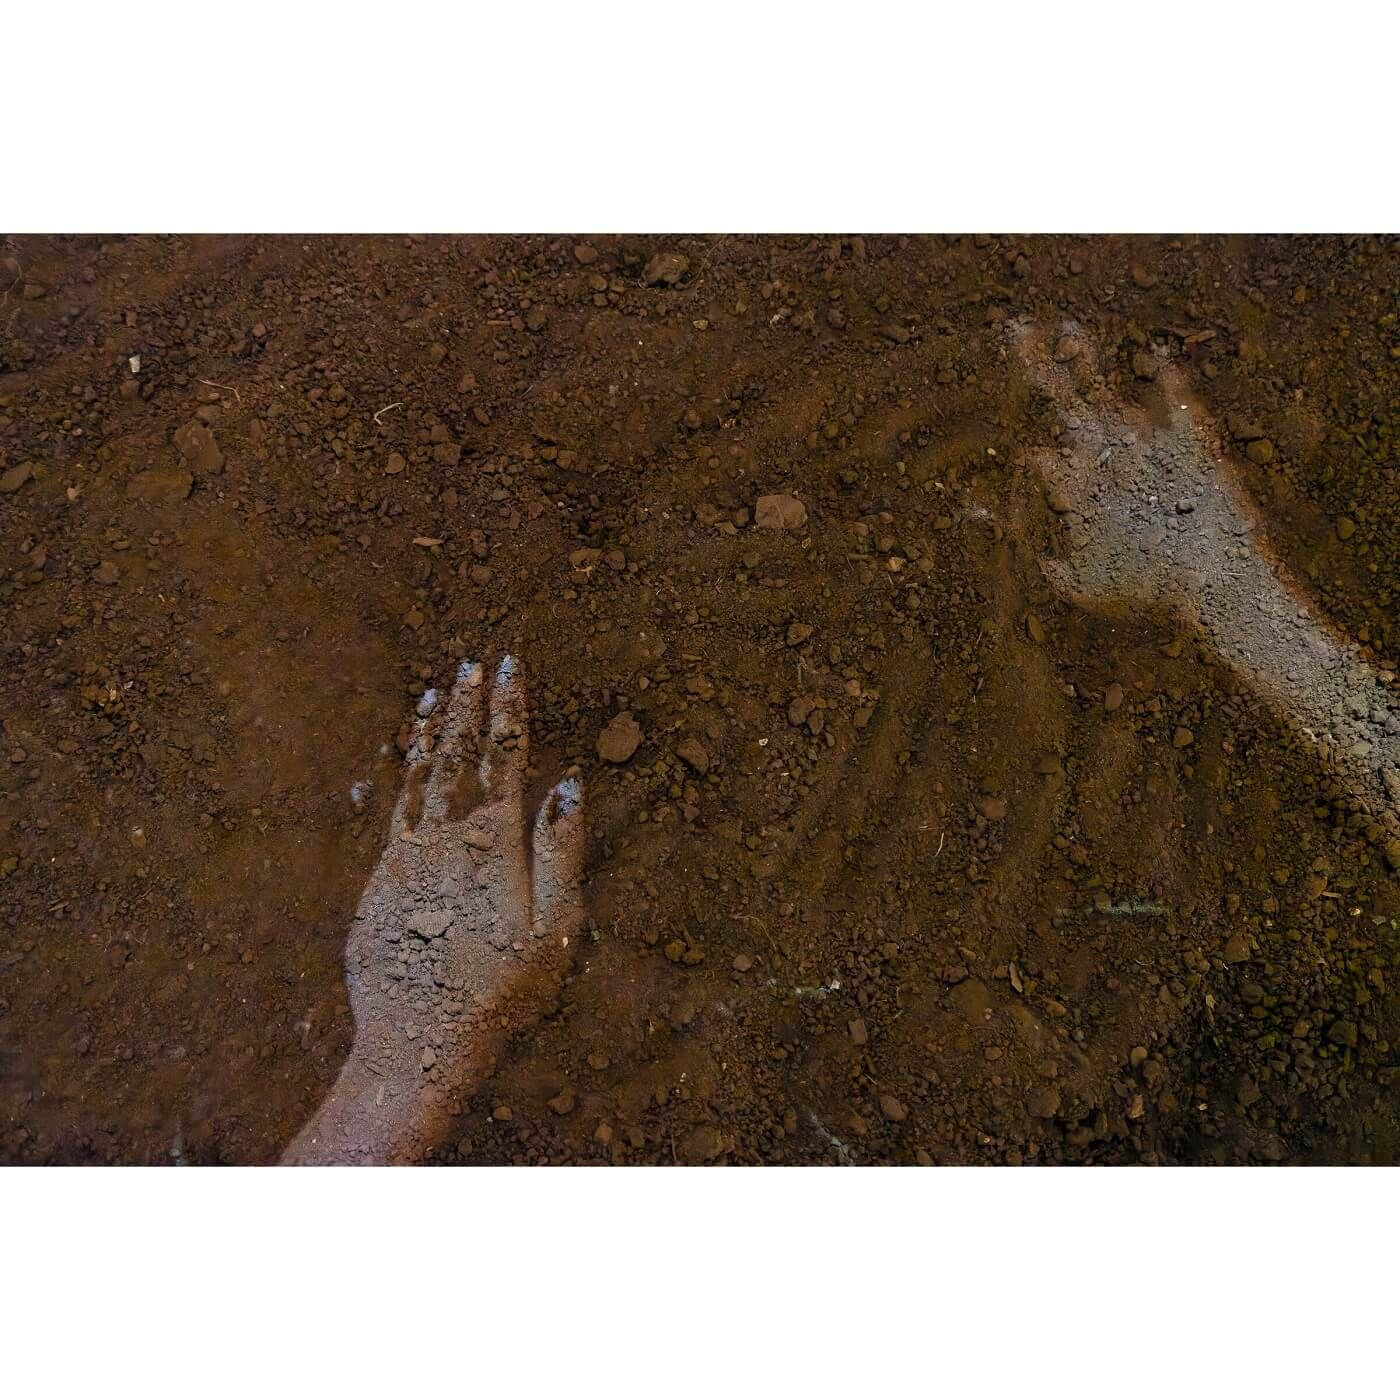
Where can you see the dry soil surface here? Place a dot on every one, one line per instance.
(978, 656)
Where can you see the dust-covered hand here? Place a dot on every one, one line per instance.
(457, 928)
(1156, 517)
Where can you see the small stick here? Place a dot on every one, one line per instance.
(229, 387)
(718, 243)
(15, 281)
(386, 408)
(749, 918)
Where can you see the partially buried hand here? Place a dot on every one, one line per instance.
(456, 928)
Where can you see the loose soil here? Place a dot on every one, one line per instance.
(979, 656)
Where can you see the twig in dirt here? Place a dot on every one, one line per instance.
(385, 410)
(750, 919)
(714, 247)
(228, 387)
(15, 281)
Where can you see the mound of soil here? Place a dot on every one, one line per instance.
(980, 655)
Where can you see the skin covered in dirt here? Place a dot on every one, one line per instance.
(915, 853)
(455, 935)
(1155, 521)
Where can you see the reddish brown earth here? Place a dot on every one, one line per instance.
(936, 845)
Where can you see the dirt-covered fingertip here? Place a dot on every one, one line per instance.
(559, 814)
(558, 856)
(510, 676)
(565, 800)
(508, 709)
(461, 717)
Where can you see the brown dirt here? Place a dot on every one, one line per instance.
(949, 836)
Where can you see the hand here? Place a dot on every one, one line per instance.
(1155, 517)
(453, 930)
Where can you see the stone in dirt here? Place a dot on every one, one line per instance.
(160, 486)
(16, 477)
(1343, 1033)
(666, 269)
(693, 753)
(892, 1108)
(703, 1144)
(1243, 428)
(779, 512)
(196, 445)
(619, 739)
